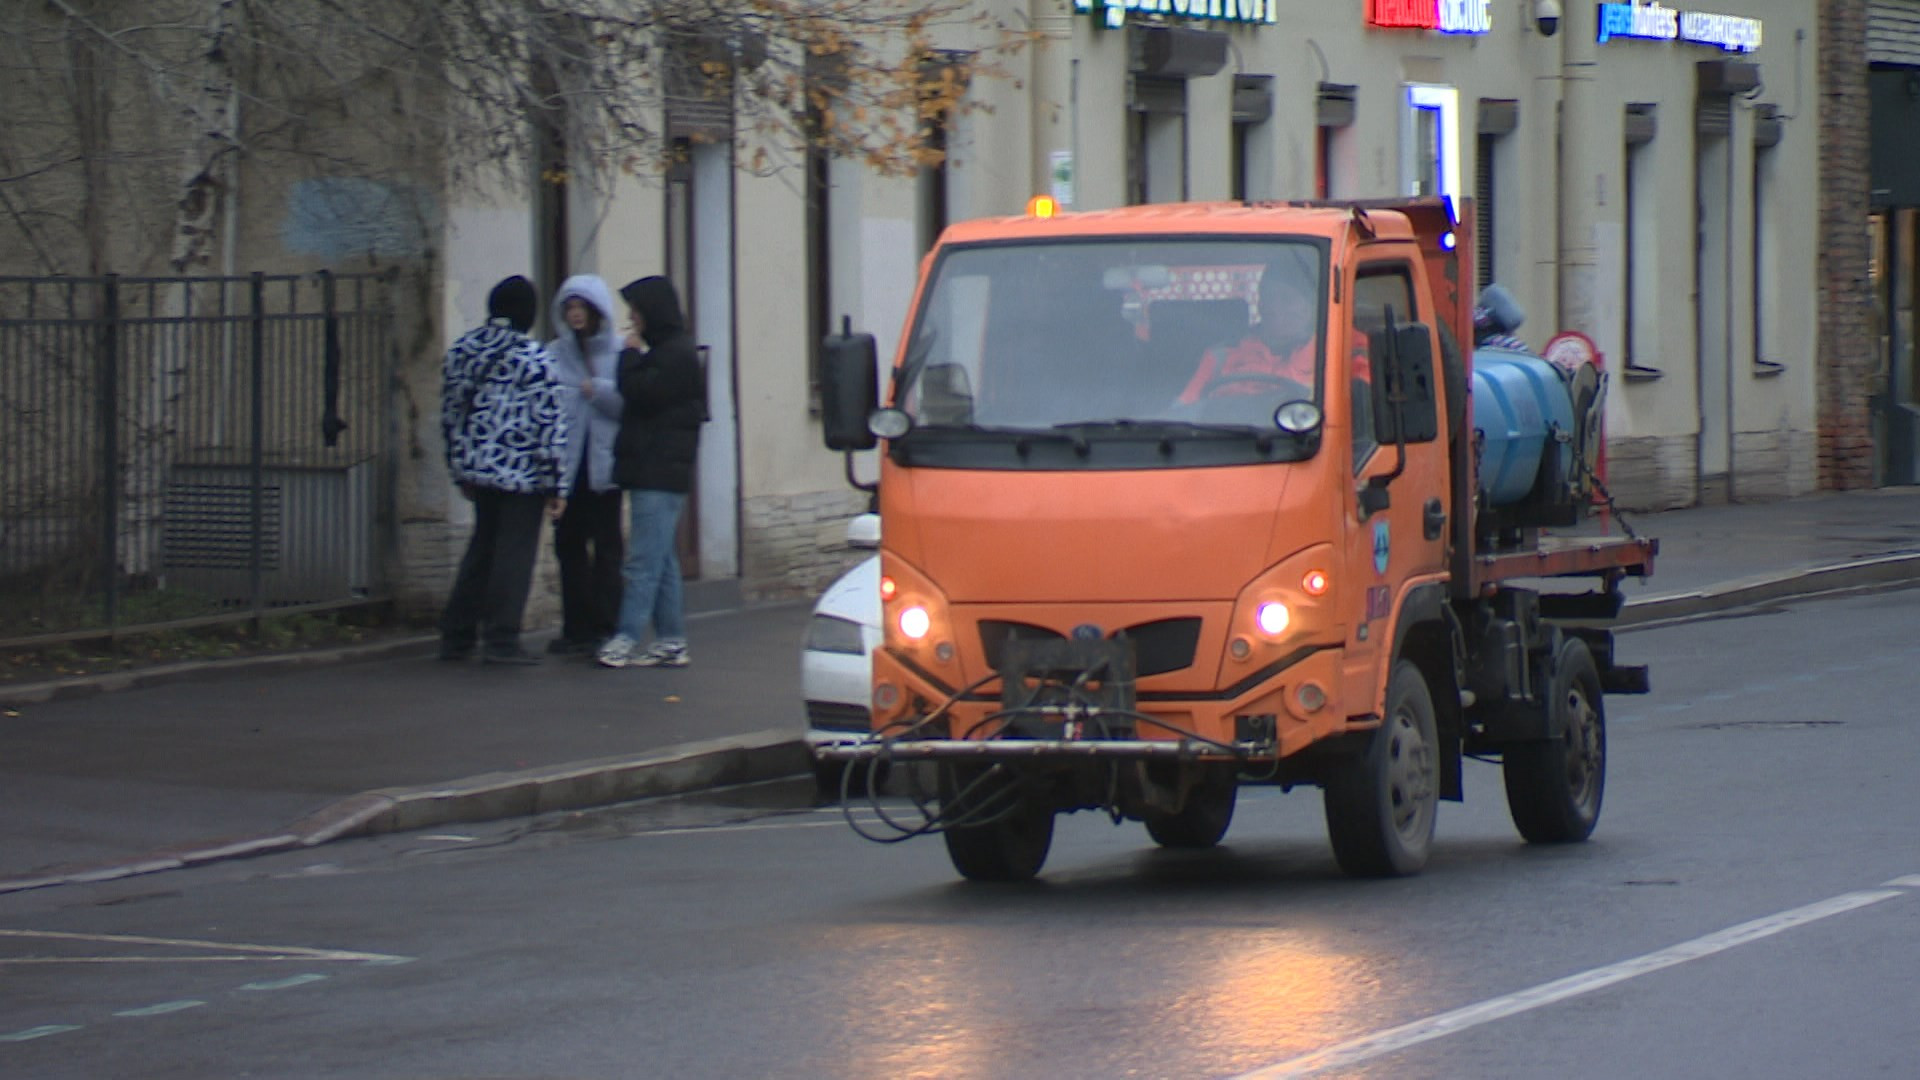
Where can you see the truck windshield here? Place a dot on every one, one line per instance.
(1157, 338)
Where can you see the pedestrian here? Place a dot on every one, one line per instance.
(665, 392)
(505, 428)
(586, 539)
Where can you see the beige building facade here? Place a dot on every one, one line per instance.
(1647, 175)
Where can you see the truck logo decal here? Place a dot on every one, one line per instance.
(1382, 547)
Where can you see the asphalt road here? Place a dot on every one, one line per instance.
(1749, 907)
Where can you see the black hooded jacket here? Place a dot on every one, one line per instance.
(665, 393)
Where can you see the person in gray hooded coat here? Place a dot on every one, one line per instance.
(586, 539)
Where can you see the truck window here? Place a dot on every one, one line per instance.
(1377, 288)
(1034, 336)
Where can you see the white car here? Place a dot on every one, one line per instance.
(836, 659)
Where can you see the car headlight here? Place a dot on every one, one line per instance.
(829, 633)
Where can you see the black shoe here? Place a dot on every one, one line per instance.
(516, 656)
(455, 653)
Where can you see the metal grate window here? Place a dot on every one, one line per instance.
(1483, 201)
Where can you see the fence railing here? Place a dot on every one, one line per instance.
(189, 448)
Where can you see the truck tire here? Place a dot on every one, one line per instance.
(1554, 787)
(1011, 846)
(1381, 804)
(1199, 824)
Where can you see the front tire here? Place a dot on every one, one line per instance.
(1382, 804)
(1013, 842)
(1201, 823)
(1555, 787)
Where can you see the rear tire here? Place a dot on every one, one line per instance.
(1011, 846)
(1199, 824)
(1381, 805)
(1555, 787)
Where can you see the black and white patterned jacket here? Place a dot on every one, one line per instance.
(501, 411)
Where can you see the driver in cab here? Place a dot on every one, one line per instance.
(1283, 345)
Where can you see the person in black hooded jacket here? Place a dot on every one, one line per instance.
(665, 395)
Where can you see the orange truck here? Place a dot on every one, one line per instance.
(1182, 498)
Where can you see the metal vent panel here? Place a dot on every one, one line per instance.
(209, 526)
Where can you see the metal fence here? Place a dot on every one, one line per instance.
(183, 449)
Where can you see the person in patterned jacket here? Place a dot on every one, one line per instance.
(505, 423)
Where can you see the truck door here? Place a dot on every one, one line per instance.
(1385, 549)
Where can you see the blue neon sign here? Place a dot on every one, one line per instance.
(1652, 22)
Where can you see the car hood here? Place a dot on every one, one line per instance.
(855, 597)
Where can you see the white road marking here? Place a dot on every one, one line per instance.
(1911, 881)
(287, 983)
(275, 952)
(1354, 1051)
(161, 1009)
(39, 1032)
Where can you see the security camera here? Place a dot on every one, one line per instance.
(1546, 16)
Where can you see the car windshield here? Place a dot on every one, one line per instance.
(1158, 335)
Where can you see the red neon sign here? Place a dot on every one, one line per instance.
(1446, 16)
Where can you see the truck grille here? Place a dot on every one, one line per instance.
(1158, 647)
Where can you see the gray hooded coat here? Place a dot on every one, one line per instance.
(594, 423)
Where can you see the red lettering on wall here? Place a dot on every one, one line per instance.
(1404, 14)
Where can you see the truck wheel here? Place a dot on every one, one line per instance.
(1554, 787)
(1199, 824)
(1012, 844)
(1381, 804)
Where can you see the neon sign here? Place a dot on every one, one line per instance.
(1731, 33)
(1113, 13)
(1446, 16)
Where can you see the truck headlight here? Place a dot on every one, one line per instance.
(915, 623)
(1273, 618)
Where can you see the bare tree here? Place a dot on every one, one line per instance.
(439, 92)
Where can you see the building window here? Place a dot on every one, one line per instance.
(1498, 119)
(1638, 220)
(1333, 113)
(819, 230)
(1483, 195)
(1765, 246)
(1157, 141)
(1252, 148)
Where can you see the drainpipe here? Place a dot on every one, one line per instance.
(1580, 166)
(1052, 91)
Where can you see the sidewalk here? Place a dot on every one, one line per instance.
(185, 767)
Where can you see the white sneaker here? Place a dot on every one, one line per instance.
(663, 654)
(619, 651)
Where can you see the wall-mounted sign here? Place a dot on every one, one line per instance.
(1732, 33)
(1113, 13)
(1446, 16)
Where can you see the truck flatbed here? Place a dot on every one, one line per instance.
(1568, 556)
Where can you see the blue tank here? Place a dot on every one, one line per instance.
(1519, 401)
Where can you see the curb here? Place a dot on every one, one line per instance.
(1814, 581)
(39, 693)
(679, 770)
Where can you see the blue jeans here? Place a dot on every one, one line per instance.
(652, 570)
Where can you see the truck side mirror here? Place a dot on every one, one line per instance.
(849, 389)
(1405, 402)
(1420, 412)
